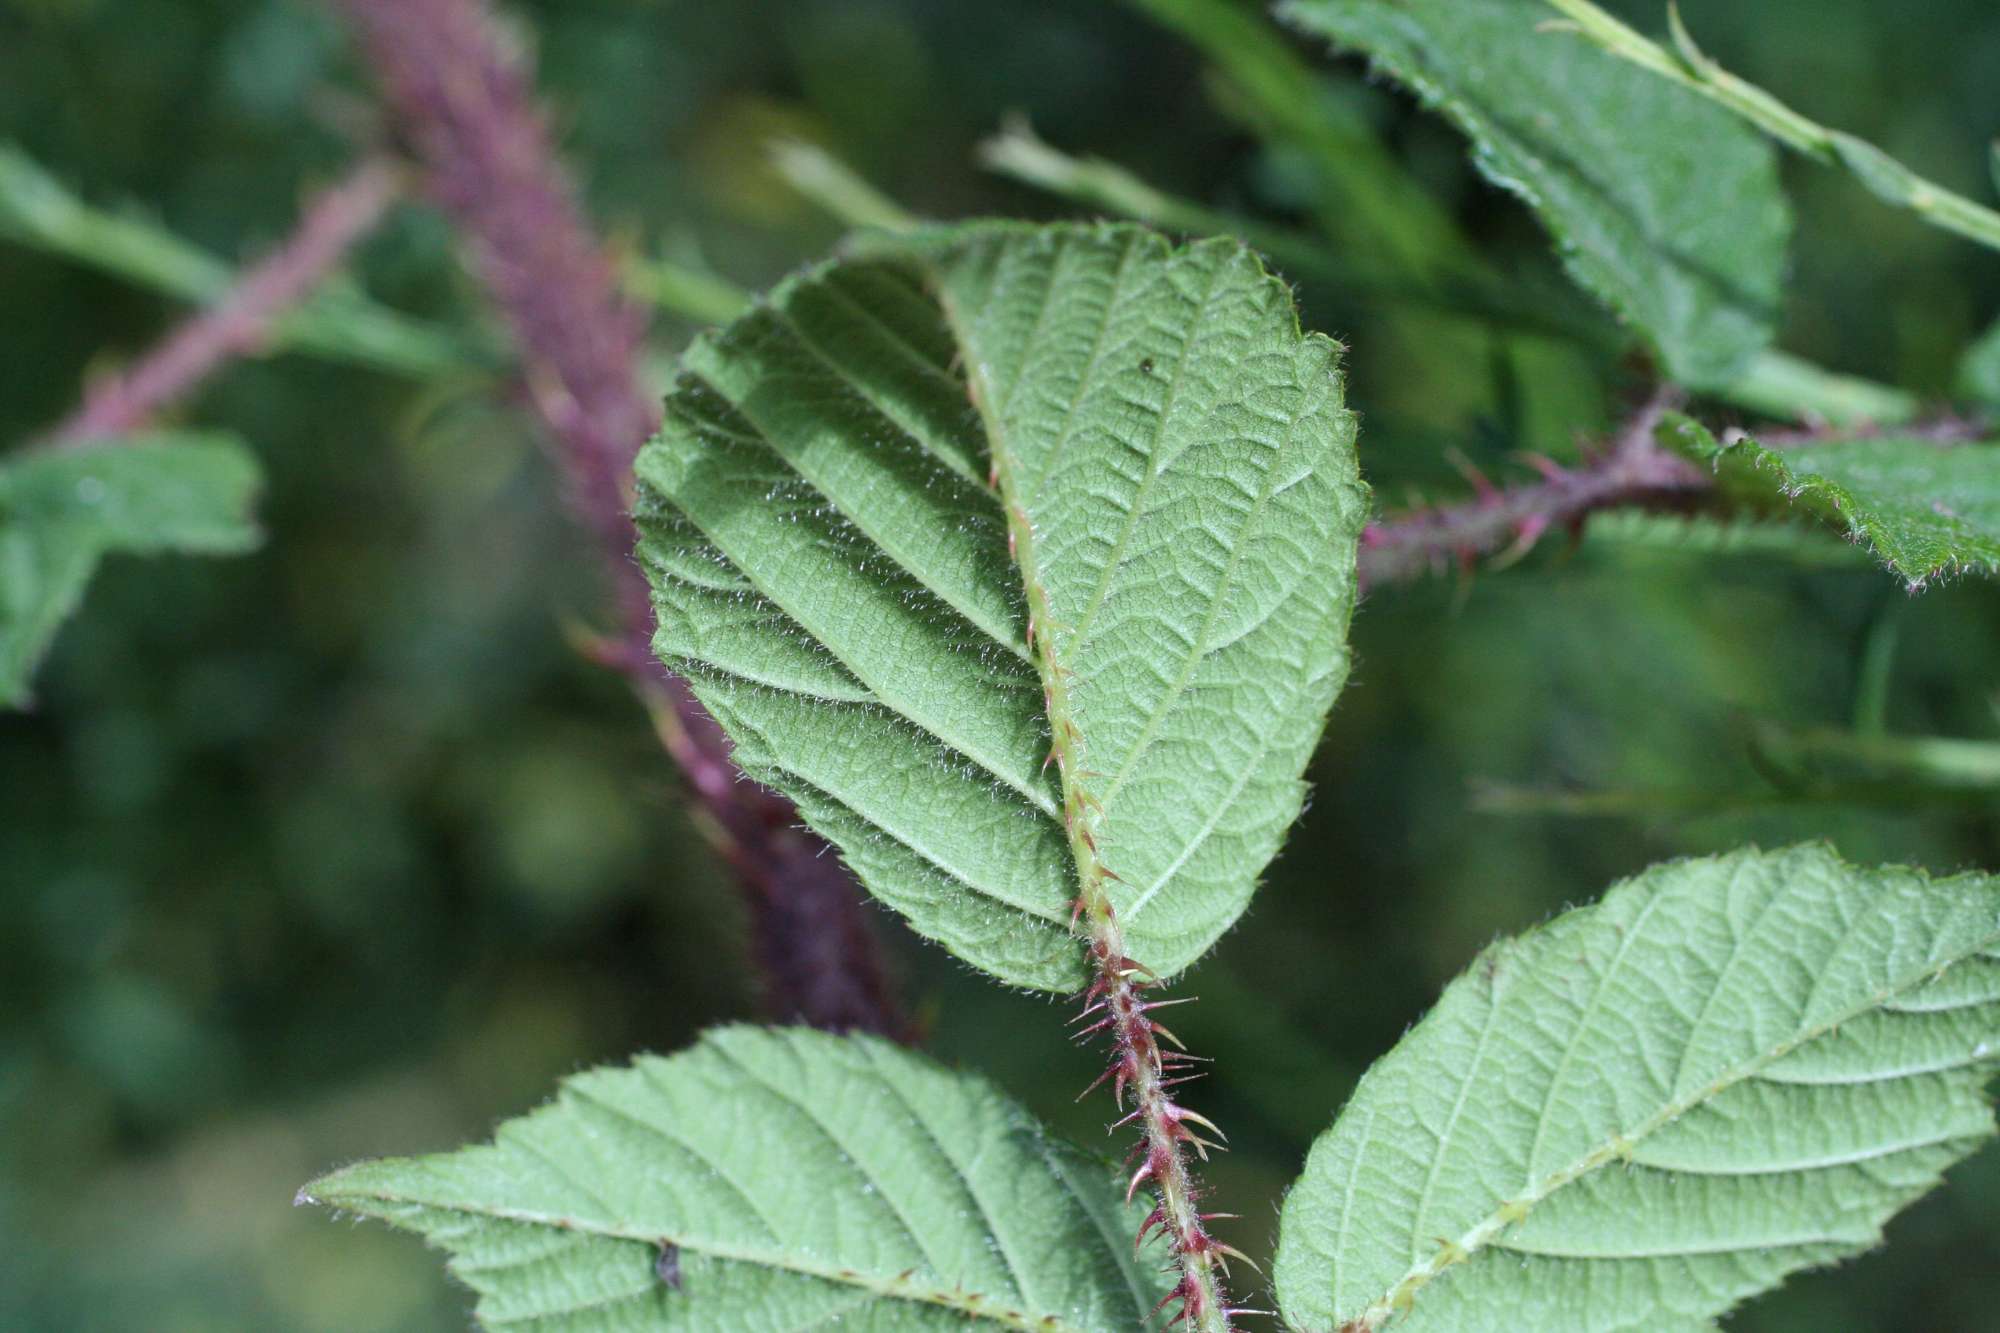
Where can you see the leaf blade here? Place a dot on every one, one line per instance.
(1921, 508)
(1661, 205)
(1673, 1032)
(63, 510)
(817, 516)
(789, 1175)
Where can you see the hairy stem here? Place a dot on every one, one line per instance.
(1635, 470)
(1883, 176)
(465, 103)
(1141, 1068)
(241, 322)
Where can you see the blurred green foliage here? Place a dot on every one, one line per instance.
(337, 849)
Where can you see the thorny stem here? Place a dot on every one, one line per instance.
(242, 321)
(1633, 471)
(1114, 1002)
(1883, 176)
(465, 104)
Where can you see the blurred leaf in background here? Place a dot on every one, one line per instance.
(336, 849)
(62, 510)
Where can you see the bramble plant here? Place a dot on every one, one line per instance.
(1019, 559)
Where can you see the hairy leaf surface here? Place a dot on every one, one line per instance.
(62, 510)
(1924, 508)
(1664, 206)
(773, 1179)
(1647, 1110)
(833, 574)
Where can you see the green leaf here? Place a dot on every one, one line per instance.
(1372, 208)
(833, 572)
(773, 1179)
(61, 510)
(1797, 541)
(1922, 507)
(1979, 368)
(1662, 205)
(1648, 1110)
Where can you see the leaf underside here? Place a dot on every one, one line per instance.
(1662, 205)
(773, 1179)
(1924, 509)
(1801, 541)
(1650, 1109)
(62, 510)
(832, 572)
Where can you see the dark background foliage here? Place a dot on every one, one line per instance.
(340, 850)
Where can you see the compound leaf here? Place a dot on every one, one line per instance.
(1665, 207)
(62, 510)
(773, 1179)
(1727, 1070)
(1925, 509)
(822, 523)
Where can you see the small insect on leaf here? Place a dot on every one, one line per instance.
(668, 1266)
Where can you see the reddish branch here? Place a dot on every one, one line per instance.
(466, 106)
(1634, 471)
(241, 323)
(1145, 1073)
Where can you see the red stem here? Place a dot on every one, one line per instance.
(466, 106)
(241, 322)
(1635, 470)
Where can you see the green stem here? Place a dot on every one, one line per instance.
(680, 290)
(838, 188)
(1818, 757)
(1883, 176)
(1779, 384)
(1878, 665)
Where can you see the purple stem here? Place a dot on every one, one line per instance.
(466, 106)
(240, 323)
(1635, 470)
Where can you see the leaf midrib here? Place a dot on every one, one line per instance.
(1484, 1233)
(993, 410)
